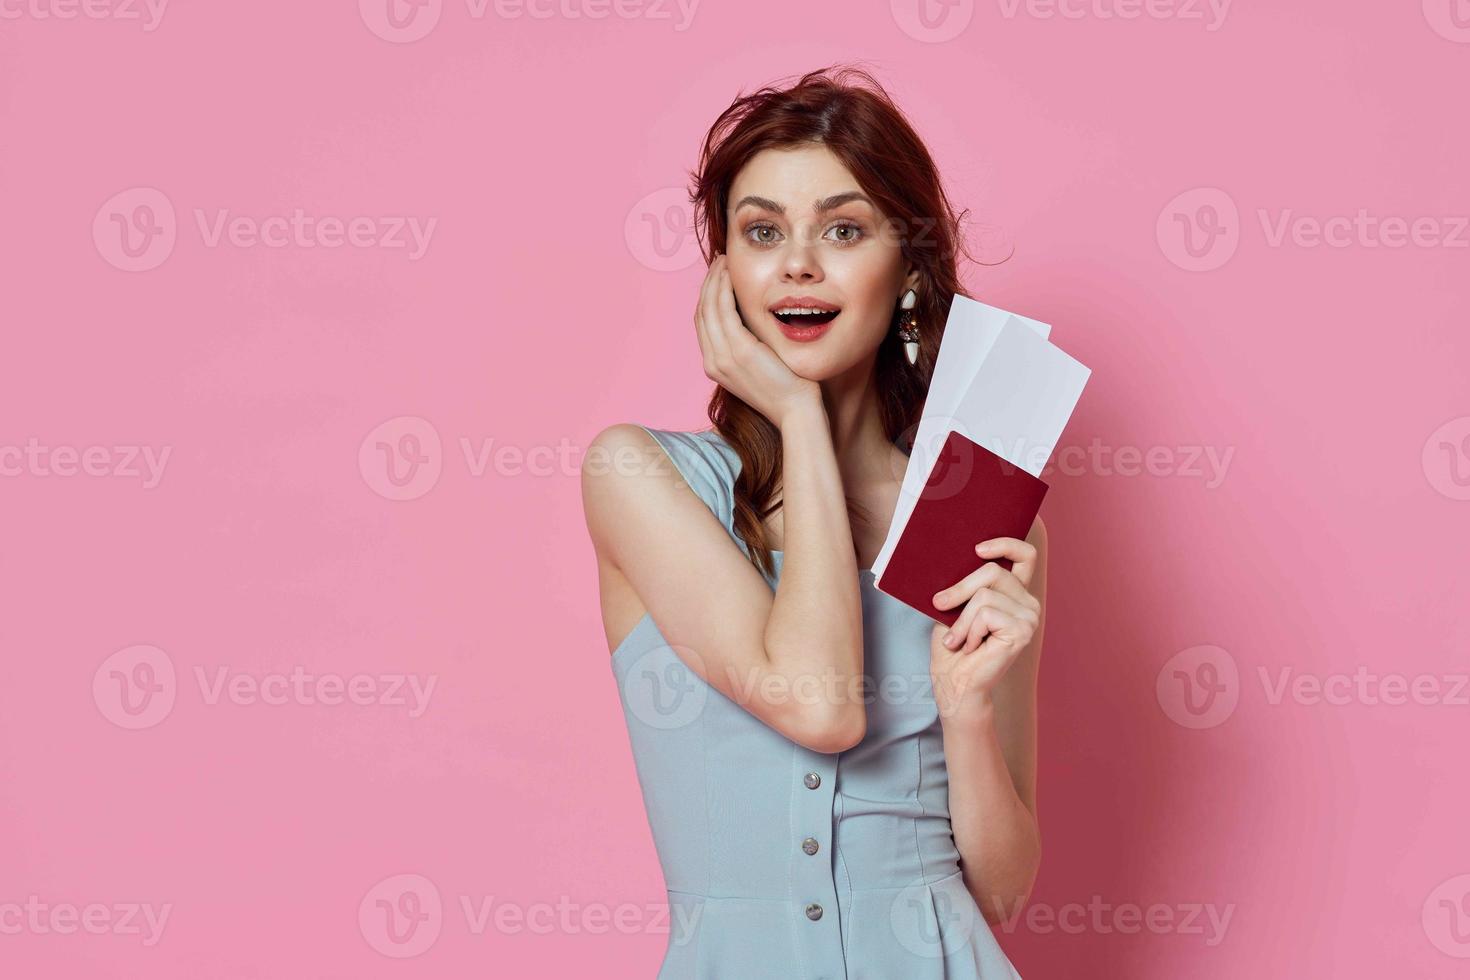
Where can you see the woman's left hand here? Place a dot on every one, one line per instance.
(999, 619)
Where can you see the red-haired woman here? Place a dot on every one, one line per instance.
(836, 786)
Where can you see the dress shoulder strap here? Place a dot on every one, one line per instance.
(708, 465)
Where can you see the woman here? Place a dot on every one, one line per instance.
(834, 790)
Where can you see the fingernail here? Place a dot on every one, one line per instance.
(949, 640)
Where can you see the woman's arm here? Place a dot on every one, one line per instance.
(788, 657)
(990, 752)
(815, 629)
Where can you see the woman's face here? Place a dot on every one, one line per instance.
(780, 246)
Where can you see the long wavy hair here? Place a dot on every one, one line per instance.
(844, 108)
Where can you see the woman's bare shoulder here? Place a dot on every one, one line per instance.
(616, 457)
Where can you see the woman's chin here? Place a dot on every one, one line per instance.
(809, 365)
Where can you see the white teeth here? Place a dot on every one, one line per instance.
(800, 310)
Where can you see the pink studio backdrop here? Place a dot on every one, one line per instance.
(311, 310)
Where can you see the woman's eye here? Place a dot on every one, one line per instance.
(756, 230)
(848, 233)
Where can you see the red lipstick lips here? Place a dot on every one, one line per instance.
(797, 320)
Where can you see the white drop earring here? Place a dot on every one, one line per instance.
(908, 328)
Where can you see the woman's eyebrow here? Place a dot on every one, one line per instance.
(825, 204)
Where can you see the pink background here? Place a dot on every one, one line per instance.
(554, 298)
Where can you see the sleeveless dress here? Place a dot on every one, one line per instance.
(780, 862)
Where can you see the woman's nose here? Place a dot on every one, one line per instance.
(802, 263)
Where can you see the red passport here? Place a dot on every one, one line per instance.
(971, 495)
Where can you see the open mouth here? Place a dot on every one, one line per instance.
(813, 319)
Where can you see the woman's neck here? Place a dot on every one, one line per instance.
(865, 454)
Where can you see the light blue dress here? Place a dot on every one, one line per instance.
(783, 863)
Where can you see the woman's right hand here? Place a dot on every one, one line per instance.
(739, 361)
